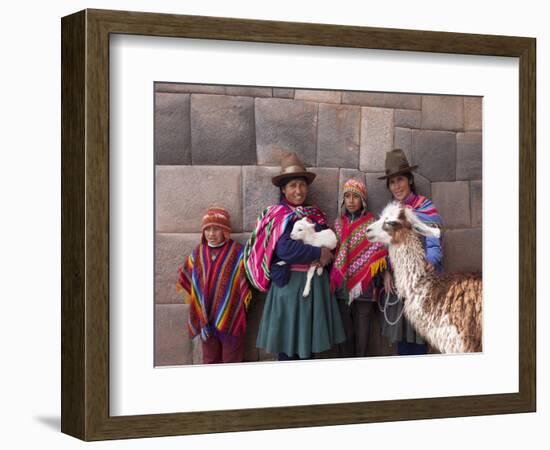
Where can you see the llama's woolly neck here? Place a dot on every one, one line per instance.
(408, 263)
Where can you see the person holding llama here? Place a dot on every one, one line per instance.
(214, 278)
(400, 182)
(292, 326)
(358, 263)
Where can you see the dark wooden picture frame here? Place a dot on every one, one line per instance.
(85, 224)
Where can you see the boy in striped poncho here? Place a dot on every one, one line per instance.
(357, 265)
(213, 276)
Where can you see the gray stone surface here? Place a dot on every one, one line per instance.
(285, 125)
(376, 138)
(320, 96)
(249, 91)
(283, 93)
(258, 192)
(172, 343)
(171, 250)
(423, 185)
(223, 130)
(407, 118)
(476, 202)
(378, 194)
(402, 138)
(452, 199)
(323, 192)
(468, 156)
(435, 154)
(463, 250)
(442, 112)
(183, 193)
(253, 317)
(473, 113)
(172, 129)
(338, 136)
(190, 88)
(384, 100)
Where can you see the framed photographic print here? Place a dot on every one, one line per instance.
(174, 127)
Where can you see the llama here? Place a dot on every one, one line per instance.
(445, 309)
(304, 230)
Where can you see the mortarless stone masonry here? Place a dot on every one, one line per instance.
(222, 145)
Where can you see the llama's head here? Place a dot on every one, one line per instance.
(301, 228)
(395, 223)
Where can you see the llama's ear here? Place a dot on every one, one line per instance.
(425, 230)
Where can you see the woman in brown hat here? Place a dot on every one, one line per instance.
(292, 326)
(400, 182)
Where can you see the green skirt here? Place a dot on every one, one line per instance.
(300, 326)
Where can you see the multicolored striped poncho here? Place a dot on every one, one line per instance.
(357, 260)
(270, 226)
(219, 292)
(424, 209)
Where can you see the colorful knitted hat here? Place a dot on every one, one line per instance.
(356, 187)
(218, 216)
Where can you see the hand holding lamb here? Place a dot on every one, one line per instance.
(304, 230)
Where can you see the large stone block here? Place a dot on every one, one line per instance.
(253, 317)
(312, 95)
(338, 136)
(442, 112)
(222, 130)
(171, 250)
(283, 93)
(452, 199)
(183, 193)
(435, 154)
(249, 91)
(378, 194)
(402, 138)
(407, 118)
(323, 192)
(383, 100)
(240, 237)
(473, 113)
(463, 250)
(376, 138)
(423, 185)
(258, 192)
(172, 343)
(190, 88)
(468, 156)
(172, 129)
(476, 203)
(285, 125)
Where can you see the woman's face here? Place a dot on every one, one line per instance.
(352, 202)
(400, 187)
(295, 191)
(214, 235)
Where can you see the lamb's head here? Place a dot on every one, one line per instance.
(301, 228)
(395, 223)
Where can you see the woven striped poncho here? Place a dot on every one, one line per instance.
(357, 260)
(270, 226)
(424, 209)
(219, 292)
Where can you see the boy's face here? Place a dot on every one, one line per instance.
(214, 235)
(352, 202)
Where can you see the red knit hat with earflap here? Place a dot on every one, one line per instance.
(219, 217)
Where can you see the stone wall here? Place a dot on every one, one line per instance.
(221, 144)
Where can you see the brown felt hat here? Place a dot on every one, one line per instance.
(292, 167)
(396, 163)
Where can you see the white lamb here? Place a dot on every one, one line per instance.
(304, 230)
